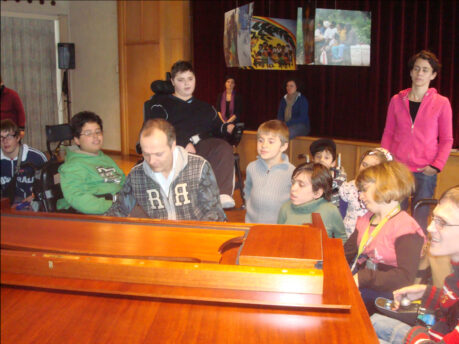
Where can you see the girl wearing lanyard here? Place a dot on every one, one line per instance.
(385, 248)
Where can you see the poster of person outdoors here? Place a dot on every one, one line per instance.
(273, 43)
(342, 37)
(304, 37)
(236, 37)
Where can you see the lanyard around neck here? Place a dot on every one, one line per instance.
(368, 238)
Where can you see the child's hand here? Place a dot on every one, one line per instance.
(412, 292)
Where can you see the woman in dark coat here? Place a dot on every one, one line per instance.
(293, 110)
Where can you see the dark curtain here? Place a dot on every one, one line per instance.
(344, 102)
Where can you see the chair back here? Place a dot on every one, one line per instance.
(236, 135)
(423, 203)
(47, 186)
(57, 134)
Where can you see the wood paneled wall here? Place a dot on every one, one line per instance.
(351, 151)
(152, 35)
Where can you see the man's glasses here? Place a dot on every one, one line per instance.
(7, 137)
(440, 223)
(89, 133)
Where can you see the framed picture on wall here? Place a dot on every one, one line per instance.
(342, 37)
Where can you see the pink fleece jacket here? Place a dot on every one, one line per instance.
(428, 140)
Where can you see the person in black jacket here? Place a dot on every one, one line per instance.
(229, 102)
(198, 127)
(18, 164)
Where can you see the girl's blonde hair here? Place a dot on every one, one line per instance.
(393, 180)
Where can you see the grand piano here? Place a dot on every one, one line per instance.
(94, 279)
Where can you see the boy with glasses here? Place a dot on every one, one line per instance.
(444, 232)
(90, 180)
(17, 179)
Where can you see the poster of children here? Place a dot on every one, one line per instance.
(236, 37)
(273, 43)
(342, 37)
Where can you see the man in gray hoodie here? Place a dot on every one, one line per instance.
(170, 183)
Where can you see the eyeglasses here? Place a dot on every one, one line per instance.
(440, 223)
(8, 137)
(89, 133)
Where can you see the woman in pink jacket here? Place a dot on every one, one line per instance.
(419, 129)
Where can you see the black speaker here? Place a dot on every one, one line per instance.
(66, 55)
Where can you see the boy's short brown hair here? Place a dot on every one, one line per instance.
(393, 180)
(181, 67)
(9, 125)
(320, 177)
(276, 127)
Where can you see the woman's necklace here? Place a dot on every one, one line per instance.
(415, 97)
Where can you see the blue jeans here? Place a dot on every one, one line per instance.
(425, 188)
(389, 330)
(298, 130)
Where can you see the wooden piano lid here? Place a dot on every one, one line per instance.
(283, 247)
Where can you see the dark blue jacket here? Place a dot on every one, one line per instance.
(26, 174)
(299, 111)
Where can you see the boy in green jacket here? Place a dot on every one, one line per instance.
(90, 179)
(310, 193)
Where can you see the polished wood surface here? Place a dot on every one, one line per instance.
(303, 252)
(103, 311)
(114, 239)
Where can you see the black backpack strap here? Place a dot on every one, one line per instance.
(10, 189)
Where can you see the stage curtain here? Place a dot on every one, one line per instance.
(344, 102)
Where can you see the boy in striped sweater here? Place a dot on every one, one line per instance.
(268, 179)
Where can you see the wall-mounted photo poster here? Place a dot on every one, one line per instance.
(342, 37)
(230, 39)
(273, 43)
(304, 37)
(299, 37)
(236, 36)
(244, 17)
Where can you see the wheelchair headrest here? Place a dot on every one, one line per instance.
(59, 132)
(162, 87)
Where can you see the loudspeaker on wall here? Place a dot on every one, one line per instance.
(66, 55)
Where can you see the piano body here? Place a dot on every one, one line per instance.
(93, 279)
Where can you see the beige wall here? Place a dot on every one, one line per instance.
(95, 83)
(92, 26)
